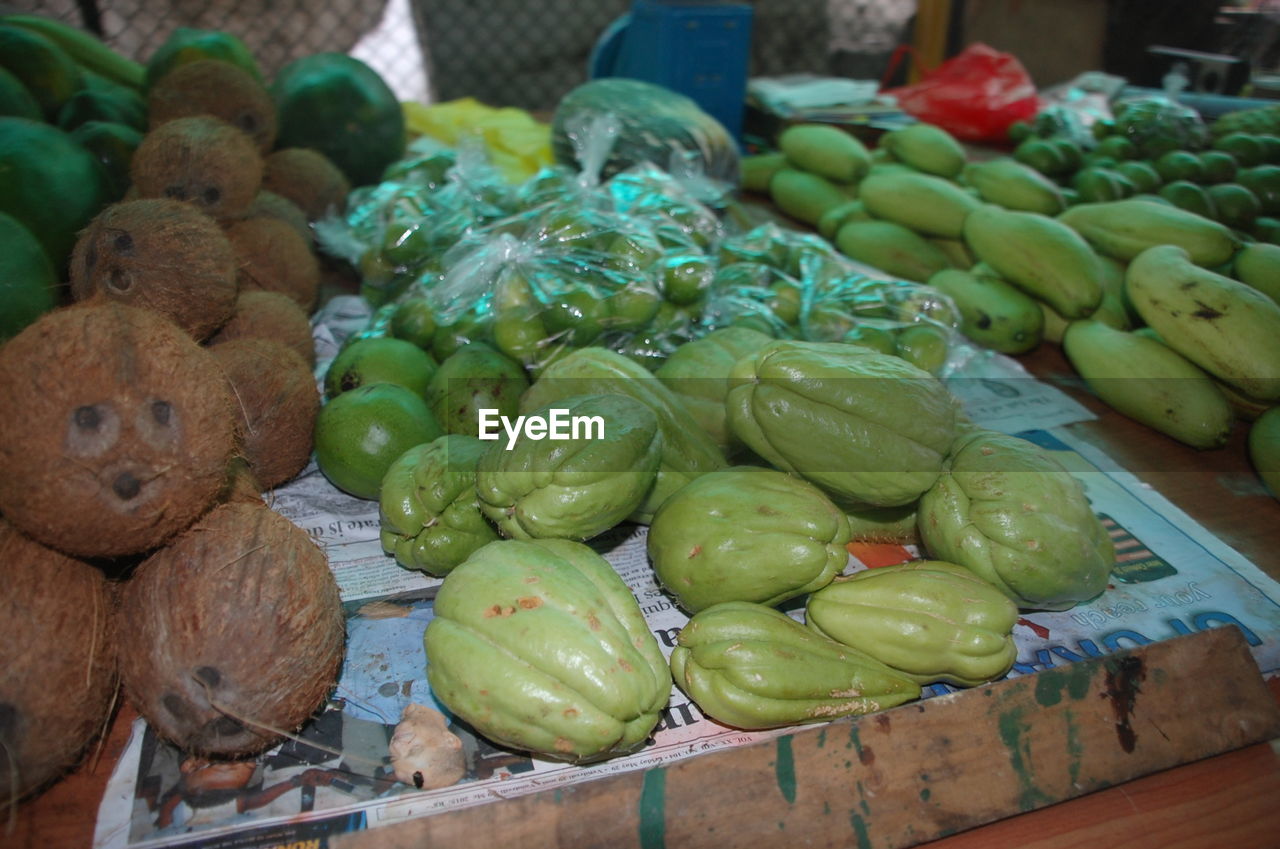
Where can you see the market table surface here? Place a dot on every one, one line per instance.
(1226, 800)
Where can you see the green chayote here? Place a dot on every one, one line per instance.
(574, 488)
(930, 620)
(750, 666)
(429, 513)
(1006, 510)
(746, 534)
(540, 646)
(867, 428)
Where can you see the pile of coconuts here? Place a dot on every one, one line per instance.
(140, 424)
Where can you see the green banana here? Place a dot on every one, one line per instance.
(993, 313)
(1258, 264)
(1125, 228)
(1150, 383)
(1040, 255)
(84, 48)
(1007, 182)
(1226, 327)
(925, 147)
(927, 204)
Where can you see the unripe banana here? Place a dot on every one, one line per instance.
(1007, 182)
(1125, 228)
(993, 313)
(1150, 383)
(928, 205)
(1229, 329)
(1040, 255)
(926, 148)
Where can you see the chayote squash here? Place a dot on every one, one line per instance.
(698, 372)
(930, 620)
(1006, 510)
(541, 647)
(429, 513)
(687, 450)
(750, 666)
(578, 487)
(884, 524)
(746, 534)
(868, 428)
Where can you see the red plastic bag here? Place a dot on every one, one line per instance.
(975, 95)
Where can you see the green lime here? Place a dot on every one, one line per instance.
(1100, 184)
(450, 337)
(633, 306)
(1267, 229)
(1187, 195)
(28, 284)
(1071, 152)
(414, 321)
(1142, 174)
(630, 252)
(1102, 128)
(379, 359)
(520, 334)
(924, 346)
(359, 434)
(1019, 131)
(1245, 147)
(685, 279)
(880, 339)
(1219, 166)
(1041, 155)
(16, 100)
(1235, 205)
(577, 315)
(1117, 147)
(1100, 160)
(1179, 165)
(1264, 182)
(1270, 147)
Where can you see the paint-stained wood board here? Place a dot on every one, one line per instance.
(907, 775)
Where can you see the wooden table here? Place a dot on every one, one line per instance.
(1227, 800)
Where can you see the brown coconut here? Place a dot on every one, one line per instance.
(271, 256)
(116, 428)
(160, 254)
(242, 483)
(201, 160)
(220, 89)
(308, 178)
(269, 315)
(232, 634)
(58, 657)
(277, 397)
(268, 204)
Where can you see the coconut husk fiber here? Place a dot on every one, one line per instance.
(278, 401)
(217, 88)
(272, 257)
(269, 315)
(268, 204)
(160, 254)
(308, 178)
(116, 428)
(199, 160)
(233, 635)
(59, 662)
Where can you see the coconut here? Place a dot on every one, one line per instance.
(269, 315)
(220, 89)
(273, 257)
(58, 658)
(116, 428)
(278, 402)
(231, 636)
(161, 254)
(201, 160)
(308, 178)
(268, 204)
(242, 484)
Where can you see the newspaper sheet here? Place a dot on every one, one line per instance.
(1172, 578)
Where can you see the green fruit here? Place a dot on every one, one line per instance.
(1264, 182)
(1258, 265)
(1234, 205)
(475, 377)
(892, 248)
(28, 284)
(338, 105)
(359, 434)
(1189, 196)
(15, 100)
(746, 534)
(1099, 184)
(930, 620)
(686, 279)
(925, 346)
(750, 666)
(826, 151)
(1043, 156)
(1123, 229)
(632, 307)
(1267, 229)
(414, 320)
(880, 339)
(993, 313)
(1142, 174)
(49, 75)
(577, 486)
(49, 183)
(1244, 147)
(1118, 148)
(429, 513)
(379, 359)
(187, 44)
(1218, 166)
(1180, 165)
(866, 428)
(1019, 131)
(923, 203)
(1264, 449)
(541, 647)
(1012, 185)
(926, 148)
(113, 146)
(116, 105)
(805, 196)
(1005, 509)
